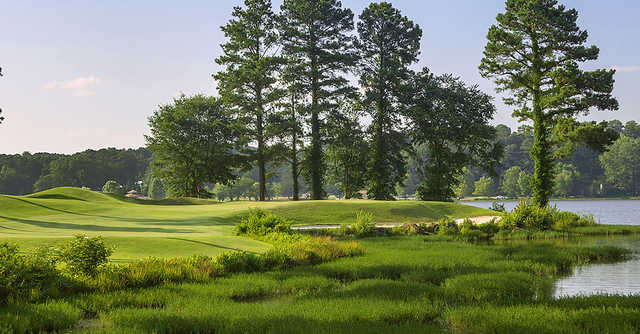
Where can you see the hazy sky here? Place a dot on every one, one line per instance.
(87, 74)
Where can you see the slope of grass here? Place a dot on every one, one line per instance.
(181, 227)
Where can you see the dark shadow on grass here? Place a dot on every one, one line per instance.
(208, 244)
(84, 227)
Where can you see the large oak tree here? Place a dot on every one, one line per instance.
(534, 51)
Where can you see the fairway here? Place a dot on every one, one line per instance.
(174, 228)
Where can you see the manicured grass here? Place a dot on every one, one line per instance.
(402, 284)
(182, 227)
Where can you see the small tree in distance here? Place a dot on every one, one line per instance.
(112, 187)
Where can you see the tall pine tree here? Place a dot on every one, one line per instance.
(388, 44)
(534, 51)
(249, 82)
(317, 32)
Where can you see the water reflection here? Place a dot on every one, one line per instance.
(607, 278)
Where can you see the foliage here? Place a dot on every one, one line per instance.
(389, 43)
(527, 215)
(484, 186)
(622, 165)
(193, 141)
(448, 226)
(510, 182)
(25, 277)
(452, 119)
(157, 189)
(497, 206)
(323, 48)
(84, 255)
(260, 223)
(534, 51)
(112, 187)
(248, 83)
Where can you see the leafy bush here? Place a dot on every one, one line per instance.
(563, 220)
(490, 228)
(529, 216)
(448, 226)
(83, 255)
(239, 262)
(364, 225)
(112, 187)
(261, 223)
(497, 206)
(25, 277)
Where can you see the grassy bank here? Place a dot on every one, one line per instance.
(183, 227)
(401, 284)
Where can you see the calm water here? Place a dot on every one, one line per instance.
(614, 278)
(609, 278)
(623, 212)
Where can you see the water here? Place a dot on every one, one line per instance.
(607, 278)
(610, 212)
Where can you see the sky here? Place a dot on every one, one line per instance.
(87, 74)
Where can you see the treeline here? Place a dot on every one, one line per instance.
(25, 173)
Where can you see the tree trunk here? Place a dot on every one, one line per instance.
(294, 150)
(261, 157)
(542, 181)
(316, 145)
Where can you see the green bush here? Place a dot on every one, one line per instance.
(239, 262)
(448, 226)
(563, 220)
(112, 187)
(497, 206)
(529, 216)
(261, 223)
(83, 255)
(490, 228)
(26, 277)
(364, 225)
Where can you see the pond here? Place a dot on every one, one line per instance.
(610, 212)
(606, 278)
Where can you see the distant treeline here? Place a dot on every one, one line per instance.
(584, 173)
(26, 173)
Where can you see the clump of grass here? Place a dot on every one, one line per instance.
(259, 223)
(38, 318)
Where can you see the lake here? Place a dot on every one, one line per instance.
(610, 212)
(603, 278)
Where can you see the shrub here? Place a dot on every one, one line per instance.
(239, 262)
(448, 226)
(364, 225)
(261, 223)
(563, 220)
(112, 187)
(529, 216)
(496, 206)
(24, 277)
(83, 255)
(490, 227)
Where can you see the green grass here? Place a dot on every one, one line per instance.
(402, 284)
(181, 227)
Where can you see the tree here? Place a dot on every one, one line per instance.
(194, 141)
(484, 187)
(347, 149)
(632, 130)
(452, 119)
(249, 80)
(622, 165)
(388, 44)
(318, 34)
(565, 180)
(510, 179)
(156, 189)
(465, 184)
(112, 187)
(534, 51)
(523, 183)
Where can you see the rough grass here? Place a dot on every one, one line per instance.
(181, 227)
(402, 284)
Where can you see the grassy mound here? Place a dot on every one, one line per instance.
(182, 227)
